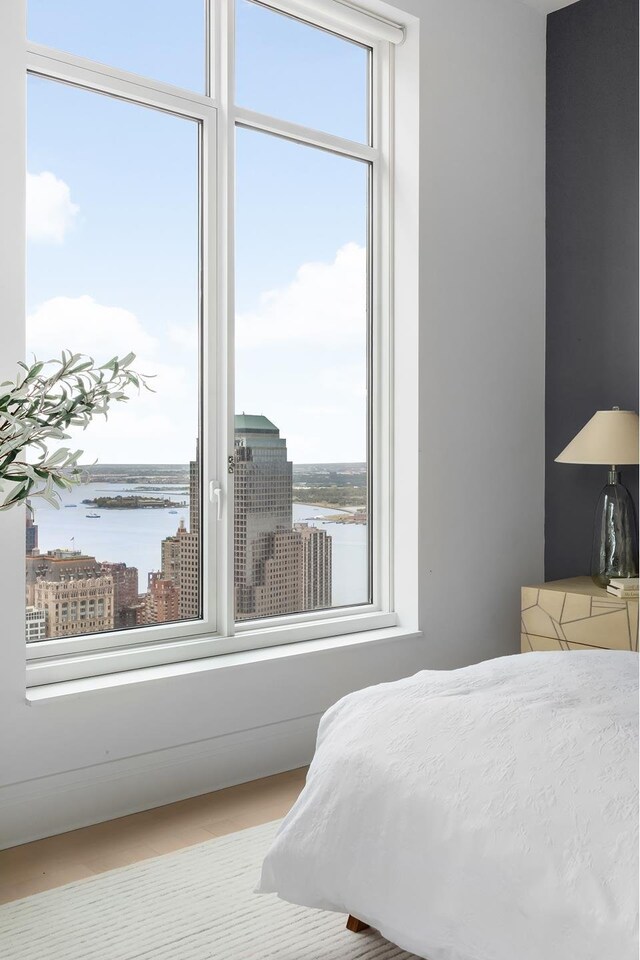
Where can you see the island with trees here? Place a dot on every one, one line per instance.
(133, 503)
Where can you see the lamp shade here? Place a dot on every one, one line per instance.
(610, 437)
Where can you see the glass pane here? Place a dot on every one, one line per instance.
(162, 39)
(301, 529)
(291, 70)
(113, 267)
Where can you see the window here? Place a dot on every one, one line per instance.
(113, 266)
(162, 39)
(289, 69)
(240, 247)
(301, 477)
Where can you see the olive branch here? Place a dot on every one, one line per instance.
(46, 399)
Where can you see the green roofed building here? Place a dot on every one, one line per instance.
(270, 568)
(250, 423)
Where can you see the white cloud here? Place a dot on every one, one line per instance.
(185, 337)
(81, 325)
(304, 341)
(301, 359)
(50, 210)
(324, 304)
(152, 427)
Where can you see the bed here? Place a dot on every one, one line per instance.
(486, 813)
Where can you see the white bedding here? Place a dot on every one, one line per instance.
(488, 813)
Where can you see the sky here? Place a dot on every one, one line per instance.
(112, 227)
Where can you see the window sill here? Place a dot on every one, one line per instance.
(49, 665)
(47, 693)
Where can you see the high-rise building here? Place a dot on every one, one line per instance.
(316, 566)
(189, 583)
(35, 624)
(194, 492)
(189, 548)
(263, 480)
(170, 555)
(161, 603)
(270, 564)
(72, 591)
(280, 589)
(125, 592)
(31, 531)
(181, 565)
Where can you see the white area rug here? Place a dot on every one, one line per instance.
(197, 904)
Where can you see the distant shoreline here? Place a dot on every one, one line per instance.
(340, 487)
(324, 504)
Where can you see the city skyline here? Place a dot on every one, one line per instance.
(69, 593)
(280, 566)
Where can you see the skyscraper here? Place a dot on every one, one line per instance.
(269, 565)
(189, 582)
(181, 552)
(31, 531)
(125, 592)
(316, 566)
(170, 555)
(194, 492)
(161, 603)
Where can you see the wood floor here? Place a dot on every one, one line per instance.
(44, 864)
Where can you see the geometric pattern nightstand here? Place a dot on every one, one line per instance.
(576, 615)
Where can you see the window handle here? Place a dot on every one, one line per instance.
(215, 496)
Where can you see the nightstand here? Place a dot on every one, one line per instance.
(576, 615)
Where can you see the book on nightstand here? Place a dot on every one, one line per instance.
(626, 589)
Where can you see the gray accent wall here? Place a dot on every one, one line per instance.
(592, 255)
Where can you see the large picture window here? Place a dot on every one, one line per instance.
(113, 266)
(210, 188)
(301, 479)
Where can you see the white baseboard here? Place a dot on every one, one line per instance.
(66, 801)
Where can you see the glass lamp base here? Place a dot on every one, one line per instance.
(615, 534)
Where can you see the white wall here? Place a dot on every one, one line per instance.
(482, 322)
(480, 201)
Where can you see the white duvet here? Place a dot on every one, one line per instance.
(488, 813)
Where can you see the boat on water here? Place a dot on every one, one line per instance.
(67, 505)
(93, 516)
(173, 511)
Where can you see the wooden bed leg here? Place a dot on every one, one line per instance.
(355, 925)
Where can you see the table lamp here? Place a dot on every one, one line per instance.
(611, 438)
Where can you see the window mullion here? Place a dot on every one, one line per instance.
(225, 73)
(210, 461)
(58, 65)
(306, 135)
(382, 360)
(63, 70)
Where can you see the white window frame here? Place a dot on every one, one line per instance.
(57, 660)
